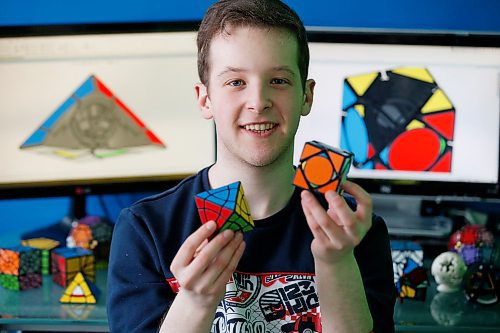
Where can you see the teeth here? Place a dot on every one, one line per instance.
(259, 127)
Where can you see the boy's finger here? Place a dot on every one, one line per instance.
(188, 249)
(342, 210)
(363, 199)
(233, 263)
(316, 229)
(214, 247)
(318, 213)
(223, 258)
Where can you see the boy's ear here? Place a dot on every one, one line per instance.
(308, 97)
(203, 100)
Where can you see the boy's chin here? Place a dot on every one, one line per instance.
(266, 158)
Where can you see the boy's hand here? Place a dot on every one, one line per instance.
(202, 268)
(337, 230)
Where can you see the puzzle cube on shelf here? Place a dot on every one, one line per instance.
(20, 268)
(45, 245)
(67, 262)
(322, 167)
(410, 277)
(80, 290)
(226, 206)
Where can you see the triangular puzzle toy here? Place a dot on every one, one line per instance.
(92, 120)
(226, 206)
(80, 290)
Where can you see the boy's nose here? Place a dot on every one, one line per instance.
(258, 99)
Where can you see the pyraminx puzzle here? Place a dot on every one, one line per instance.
(80, 290)
(226, 206)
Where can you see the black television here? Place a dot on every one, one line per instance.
(419, 110)
(101, 108)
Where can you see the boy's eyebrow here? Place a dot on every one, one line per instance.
(284, 69)
(230, 69)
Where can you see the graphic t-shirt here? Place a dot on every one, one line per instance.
(273, 288)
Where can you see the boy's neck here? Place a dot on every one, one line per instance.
(267, 189)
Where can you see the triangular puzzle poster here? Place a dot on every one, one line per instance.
(92, 121)
(398, 119)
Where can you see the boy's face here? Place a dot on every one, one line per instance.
(255, 94)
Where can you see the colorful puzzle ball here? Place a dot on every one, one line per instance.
(474, 243)
(322, 167)
(482, 284)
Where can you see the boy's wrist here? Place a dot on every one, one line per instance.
(202, 304)
(343, 265)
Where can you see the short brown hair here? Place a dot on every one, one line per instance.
(255, 13)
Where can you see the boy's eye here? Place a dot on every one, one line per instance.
(236, 83)
(278, 81)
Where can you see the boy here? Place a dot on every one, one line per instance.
(166, 270)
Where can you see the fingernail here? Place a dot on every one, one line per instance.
(228, 233)
(238, 236)
(332, 194)
(210, 225)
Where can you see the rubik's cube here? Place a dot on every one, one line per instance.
(80, 290)
(410, 277)
(45, 245)
(322, 167)
(226, 206)
(68, 262)
(20, 268)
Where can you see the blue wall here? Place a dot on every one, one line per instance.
(17, 216)
(458, 15)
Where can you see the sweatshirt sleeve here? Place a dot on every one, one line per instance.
(137, 294)
(374, 259)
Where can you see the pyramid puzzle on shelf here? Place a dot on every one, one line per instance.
(80, 290)
(322, 167)
(226, 206)
(92, 120)
(45, 245)
(20, 268)
(68, 262)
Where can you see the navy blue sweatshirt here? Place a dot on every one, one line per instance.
(273, 288)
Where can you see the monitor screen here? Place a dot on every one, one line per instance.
(92, 109)
(420, 119)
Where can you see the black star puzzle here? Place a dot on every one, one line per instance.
(322, 167)
(226, 206)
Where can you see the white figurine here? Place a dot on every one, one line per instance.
(448, 270)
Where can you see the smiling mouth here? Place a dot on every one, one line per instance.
(260, 128)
